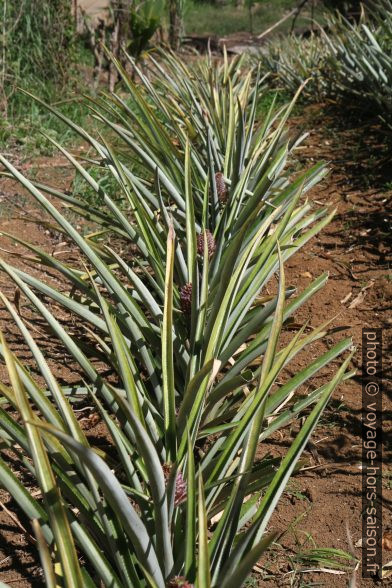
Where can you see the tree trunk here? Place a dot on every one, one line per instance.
(120, 37)
(175, 23)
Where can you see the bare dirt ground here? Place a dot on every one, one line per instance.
(356, 251)
(320, 503)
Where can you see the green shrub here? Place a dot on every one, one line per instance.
(145, 18)
(177, 342)
(37, 45)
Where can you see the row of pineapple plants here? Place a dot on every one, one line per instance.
(341, 59)
(172, 302)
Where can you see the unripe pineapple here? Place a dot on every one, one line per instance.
(210, 243)
(221, 187)
(180, 490)
(186, 298)
(179, 582)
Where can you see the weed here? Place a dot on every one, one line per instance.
(387, 186)
(274, 98)
(9, 206)
(251, 582)
(294, 491)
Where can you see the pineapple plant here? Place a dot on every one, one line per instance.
(186, 354)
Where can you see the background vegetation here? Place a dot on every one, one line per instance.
(345, 60)
(38, 48)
